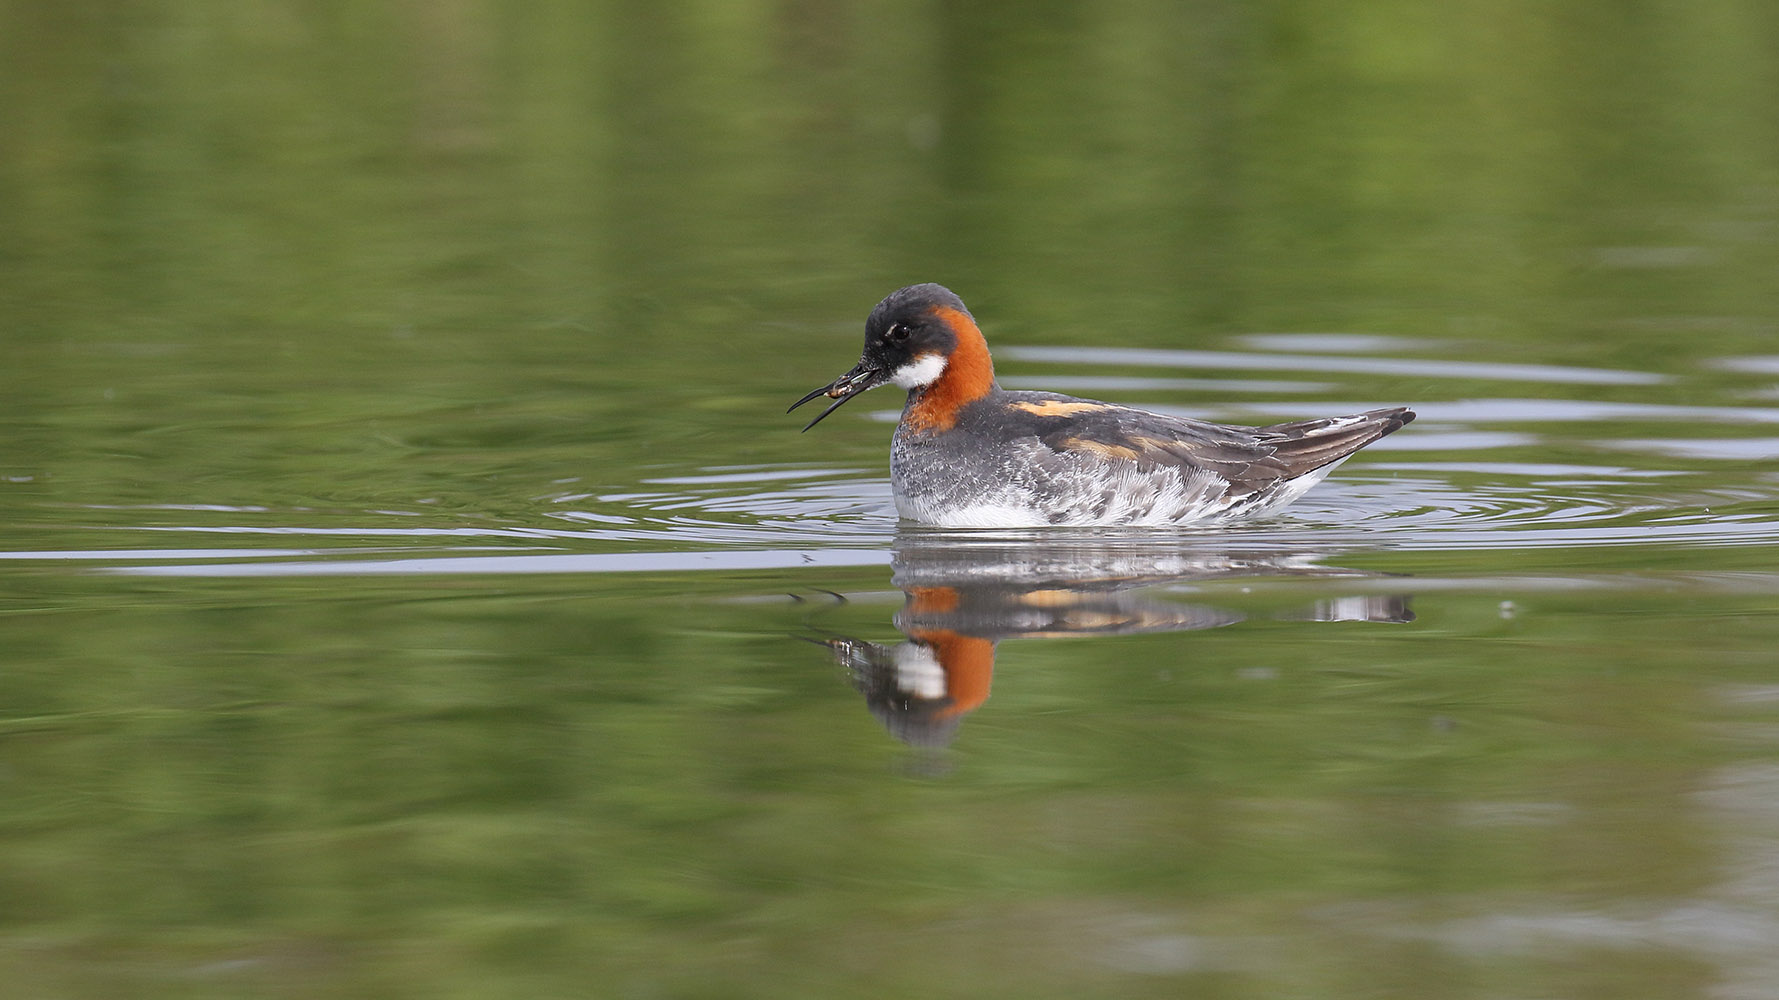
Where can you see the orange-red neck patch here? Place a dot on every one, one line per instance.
(969, 664)
(932, 600)
(969, 375)
(968, 661)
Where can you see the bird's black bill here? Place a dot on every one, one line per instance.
(842, 389)
(831, 408)
(823, 391)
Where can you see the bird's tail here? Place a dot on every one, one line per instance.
(1307, 445)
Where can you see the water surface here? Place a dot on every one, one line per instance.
(411, 585)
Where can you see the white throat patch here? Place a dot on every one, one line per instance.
(922, 371)
(918, 671)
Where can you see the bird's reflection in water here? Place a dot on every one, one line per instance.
(966, 593)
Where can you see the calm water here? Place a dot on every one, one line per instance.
(411, 585)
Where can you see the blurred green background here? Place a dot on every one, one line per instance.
(459, 224)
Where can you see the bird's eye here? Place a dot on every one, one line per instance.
(897, 333)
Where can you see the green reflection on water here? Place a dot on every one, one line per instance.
(392, 788)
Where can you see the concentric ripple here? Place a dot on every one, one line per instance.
(1507, 472)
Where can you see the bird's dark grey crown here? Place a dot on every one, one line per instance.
(912, 301)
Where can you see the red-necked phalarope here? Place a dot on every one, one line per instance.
(968, 453)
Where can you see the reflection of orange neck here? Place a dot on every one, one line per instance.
(932, 600)
(969, 664)
(969, 375)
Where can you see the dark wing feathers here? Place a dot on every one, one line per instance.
(1250, 458)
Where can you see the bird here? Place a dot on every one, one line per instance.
(970, 454)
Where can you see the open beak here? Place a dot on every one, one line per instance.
(842, 389)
